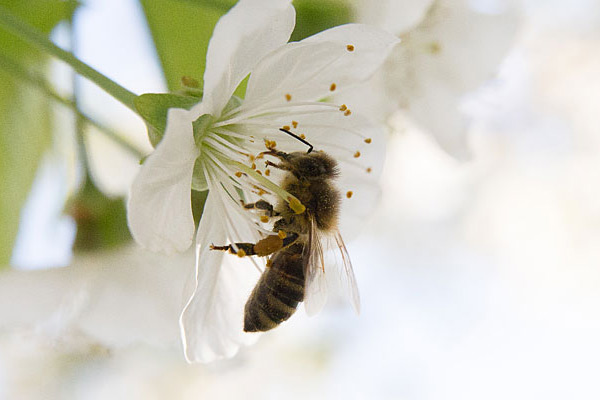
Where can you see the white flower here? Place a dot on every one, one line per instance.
(449, 48)
(286, 85)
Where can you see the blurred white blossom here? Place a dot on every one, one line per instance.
(449, 48)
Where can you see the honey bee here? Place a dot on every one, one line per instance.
(296, 269)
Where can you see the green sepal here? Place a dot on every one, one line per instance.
(153, 107)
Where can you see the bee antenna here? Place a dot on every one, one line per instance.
(310, 146)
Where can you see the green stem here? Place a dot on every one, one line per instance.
(18, 71)
(13, 24)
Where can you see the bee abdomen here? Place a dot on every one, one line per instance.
(276, 295)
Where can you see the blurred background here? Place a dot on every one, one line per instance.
(479, 269)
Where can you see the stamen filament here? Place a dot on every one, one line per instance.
(290, 199)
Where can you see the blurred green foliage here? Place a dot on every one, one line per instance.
(25, 120)
(101, 221)
(153, 107)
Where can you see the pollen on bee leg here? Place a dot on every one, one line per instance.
(368, 140)
(349, 193)
(269, 263)
(357, 154)
(295, 205)
(288, 97)
(241, 253)
(264, 218)
(282, 235)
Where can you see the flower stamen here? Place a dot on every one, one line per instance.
(293, 202)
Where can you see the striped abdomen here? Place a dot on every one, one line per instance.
(278, 291)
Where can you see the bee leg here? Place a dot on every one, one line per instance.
(278, 166)
(283, 156)
(261, 205)
(262, 248)
(243, 249)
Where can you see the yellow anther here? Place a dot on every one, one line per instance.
(286, 127)
(295, 205)
(238, 174)
(267, 172)
(261, 192)
(302, 136)
(368, 140)
(253, 166)
(349, 194)
(270, 144)
(295, 124)
(357, 154)
(347, 112)
(343, 107)
(369, 170)
(282, 235)
(258, 172)
(288, 97)
(241, 253)
(264, 218)
(269, 263)
(350, 47)
(251, 157)
(332, 87)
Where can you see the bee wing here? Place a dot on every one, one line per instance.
(315, 286)
(317, 273)
(346, 274)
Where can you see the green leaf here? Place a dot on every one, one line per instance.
(153, 107)
(314, 16)
(25, 123)
(181, 30)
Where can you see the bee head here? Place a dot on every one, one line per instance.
(316, 165)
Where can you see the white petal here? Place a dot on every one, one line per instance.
(212, 321)
(438, 63)
(395, 16)
(307, 70)
(113, 298)
(159, 210)
(249, 31)
(449, 125)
